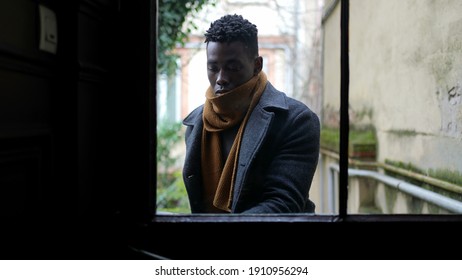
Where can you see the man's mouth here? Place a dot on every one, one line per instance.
(220, 91)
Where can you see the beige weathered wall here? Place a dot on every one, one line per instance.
(405, 77)
(331, 67)
(406, 65)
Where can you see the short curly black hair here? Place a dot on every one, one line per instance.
(231, 28)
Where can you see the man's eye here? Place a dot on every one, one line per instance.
(212, 68)
(234, 67)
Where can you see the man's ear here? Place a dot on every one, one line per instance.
(258, 65)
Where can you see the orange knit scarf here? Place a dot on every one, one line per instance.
(220, 113)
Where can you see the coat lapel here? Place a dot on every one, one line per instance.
(255, 133)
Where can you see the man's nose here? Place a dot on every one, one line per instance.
(222, 80)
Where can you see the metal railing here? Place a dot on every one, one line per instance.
(439, 200)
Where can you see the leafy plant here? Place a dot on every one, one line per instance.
(171, 192)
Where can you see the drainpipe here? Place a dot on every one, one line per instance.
(331, 183)
(444, 202)
(321, 181)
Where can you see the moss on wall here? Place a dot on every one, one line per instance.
(405, 133)
(362, 142)
(453, 177)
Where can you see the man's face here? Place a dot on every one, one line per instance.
(229, 66)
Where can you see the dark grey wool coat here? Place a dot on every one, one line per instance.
(277, 160)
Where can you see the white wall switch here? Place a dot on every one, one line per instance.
(48, 30)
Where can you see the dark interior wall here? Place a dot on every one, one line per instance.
(76, 142)
(25, 124)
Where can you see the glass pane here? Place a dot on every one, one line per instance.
(290, 42)
(405, 107)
